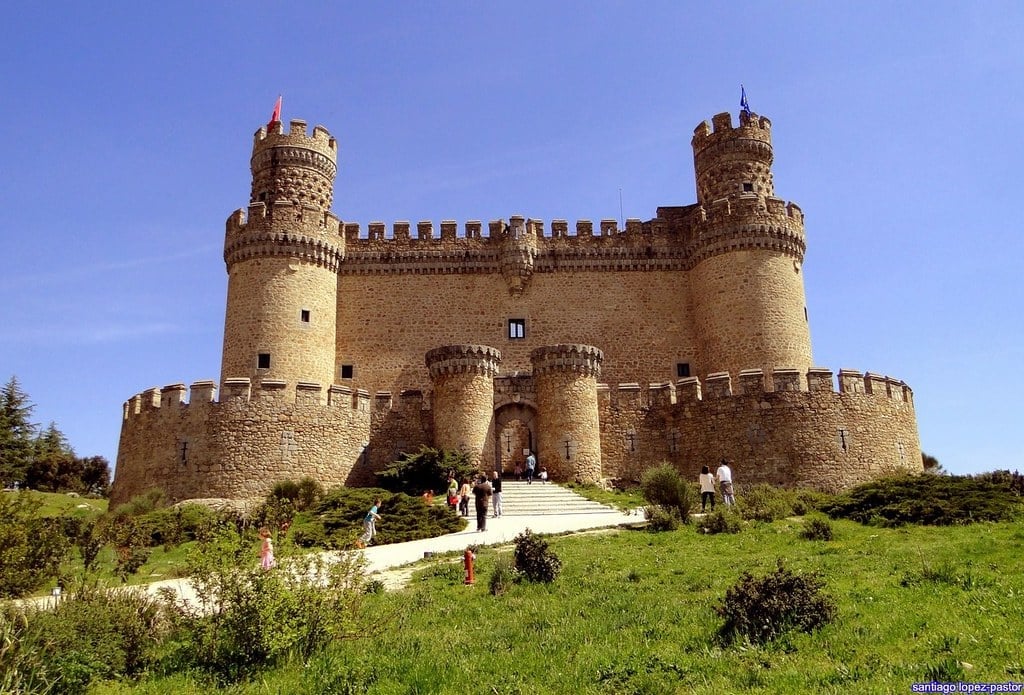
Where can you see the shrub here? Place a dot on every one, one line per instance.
(663, 487)
(720, 521)
(937, 500)
(760, 609)
(661, 518)
(427, 469)
(763, 502)
(337, 519)
(502, 577)
(32, 547)
(92, 634)
(302, 494)
(534, 560)
(248, 618)
(817, 528)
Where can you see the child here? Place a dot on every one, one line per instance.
(543, 475)
(266, 549)
(369, 525)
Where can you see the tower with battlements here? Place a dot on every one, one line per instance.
(605, 350)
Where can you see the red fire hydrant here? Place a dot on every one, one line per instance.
(467, 558)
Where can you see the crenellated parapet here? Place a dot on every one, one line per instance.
(463, 359)
(747, 222)
(582, 359)
(284, 230)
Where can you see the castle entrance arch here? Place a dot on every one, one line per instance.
(514, 433)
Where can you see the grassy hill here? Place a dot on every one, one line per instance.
(634, 612)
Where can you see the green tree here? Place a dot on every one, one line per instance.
(53, 463)
(94, 474)
(16, 432)
(31, 546)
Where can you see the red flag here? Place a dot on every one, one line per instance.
(276, 116)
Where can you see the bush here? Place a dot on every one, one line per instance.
(302, 495)
(763, 502)
(817, 528)
(759, 609)
(534, 560)
(249, 618)
(936, 500)
(92, 634)
(427, 469)
(337, 519)
(661, 518)
(663, 487)
(720, 521)
(32, 547)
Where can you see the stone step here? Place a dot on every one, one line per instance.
(519, 498)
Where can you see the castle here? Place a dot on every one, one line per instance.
(683, 338)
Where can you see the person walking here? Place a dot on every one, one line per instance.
(369, 525)
(267, 560)
(464, 493)
(496, 493)
(482, 493)
(453, 491)
(531, 464)
(724, 476)
(707, 489)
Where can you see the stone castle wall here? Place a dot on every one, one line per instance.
(818, 438)
(239, 446)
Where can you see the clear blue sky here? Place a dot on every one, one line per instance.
(895, 129)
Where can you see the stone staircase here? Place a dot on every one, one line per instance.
(520, 499)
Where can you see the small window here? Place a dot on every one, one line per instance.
(304, 315)
(682, 369)
(516, 329)
(263, 360)
(748, 187)
(347, 370)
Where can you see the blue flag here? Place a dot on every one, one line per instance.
(744, 106)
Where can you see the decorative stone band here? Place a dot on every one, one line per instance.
(263, 243)
(585, 359)
(463, 359)
(294, 157)
(784, 238)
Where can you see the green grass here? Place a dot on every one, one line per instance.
(633, 612)
(620, 499)
(59, 504)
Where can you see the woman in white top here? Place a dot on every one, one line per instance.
(707, 489)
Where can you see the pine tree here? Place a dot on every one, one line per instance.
(16, 433)
(53, 463)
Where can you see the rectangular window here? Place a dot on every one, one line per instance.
(748, 187)
(347, 370)
(516, 329)
(304, 315)
(682, 369)
(263, 360)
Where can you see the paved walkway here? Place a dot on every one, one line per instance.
(500, 531)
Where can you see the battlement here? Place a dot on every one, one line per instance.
(273, 135)
(751, 127)
(171, 399)
(583, 359)
(463, 359)
(753, 383)
(285, 229)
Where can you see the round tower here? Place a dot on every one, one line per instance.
(463, 401)
(748, 301)
(282, 260)
(569, 430)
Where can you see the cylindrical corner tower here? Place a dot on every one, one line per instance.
(569, 429)
(748, 300)
(282, 261)
(463, 401)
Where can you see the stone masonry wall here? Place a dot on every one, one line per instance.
(821, 439)
(237, 447)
